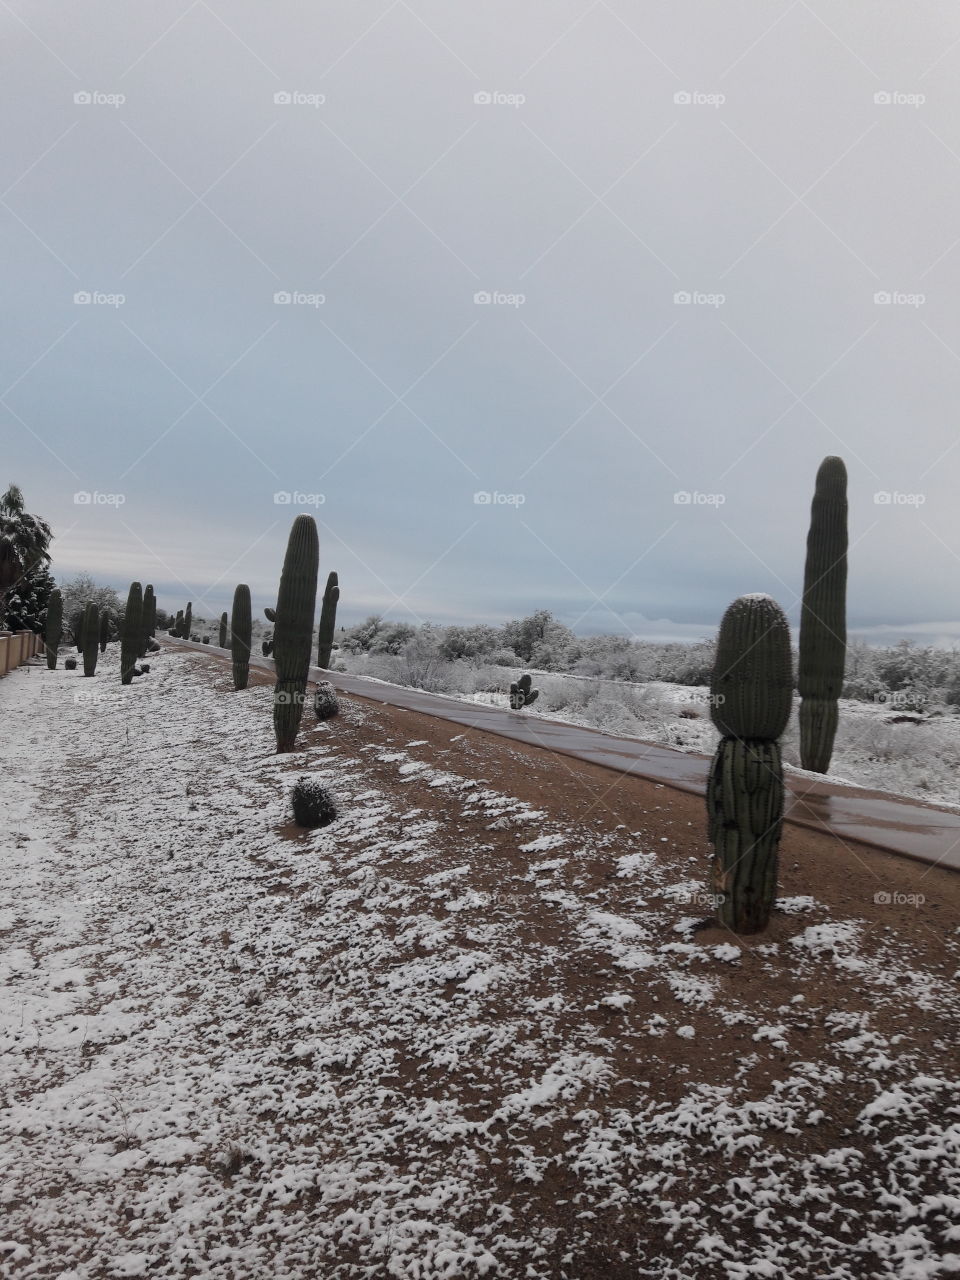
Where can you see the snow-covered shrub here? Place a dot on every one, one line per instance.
(313, 805)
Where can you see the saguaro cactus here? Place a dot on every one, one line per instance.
(751, 696)
(188, 620)
(54, 627)
(328, 621)
(222, 637)
(293, 632)
(131, 633)
(521, 695)
(178, 624)
(148, 619)
(823, 617)
(104, 630)
(91, 638)
(241, 626)
(76, 629)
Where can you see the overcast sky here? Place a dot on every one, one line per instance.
(585, 166)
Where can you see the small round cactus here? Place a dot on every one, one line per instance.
(325, 701)
(313, 805)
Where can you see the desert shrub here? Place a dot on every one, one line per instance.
(313, 805)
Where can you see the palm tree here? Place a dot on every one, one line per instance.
(24, 540)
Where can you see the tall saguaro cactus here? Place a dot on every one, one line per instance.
(54, 627)
(241, 628)
(188, 620)
(328, 621)
(751, 697)
(293, 632)
(178, 624)
(148, 620)
(91, 638)
(823, 617)
(222, 637)
(131, 633)
(104, 629)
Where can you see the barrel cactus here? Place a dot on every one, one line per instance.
(328, 621)
(131, 634)
(325, 702)
(241, 627)
(312, 803)
(823, 617)
(69, 664)
(91, 638)
(293, 632)
(222, 638)
(54, 627)
(751, 695)
(521, 695)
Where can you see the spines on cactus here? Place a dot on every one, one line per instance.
(131, 633)
(293, 632)
(750, 703)
(222, 637)
(823, 617)
(521, 695)
(241, 628)
(54, 626)
(328, 621)
(91, 638)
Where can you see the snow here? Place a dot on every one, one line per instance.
(229, 1051)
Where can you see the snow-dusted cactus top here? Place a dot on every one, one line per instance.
(752, 683)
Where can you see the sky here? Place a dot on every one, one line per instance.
(531, 306)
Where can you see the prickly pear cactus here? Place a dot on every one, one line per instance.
(521, 694)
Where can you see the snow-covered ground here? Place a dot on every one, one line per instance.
(432, 1040)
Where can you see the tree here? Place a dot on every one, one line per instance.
(541, 633)
(27, 601)
(24, 543)
(81, 590)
